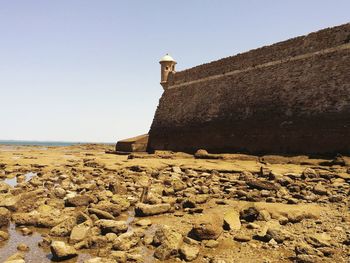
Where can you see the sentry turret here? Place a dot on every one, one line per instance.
(167, 65)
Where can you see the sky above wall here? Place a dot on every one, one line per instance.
(88, 71)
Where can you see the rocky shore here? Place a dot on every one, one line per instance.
(79, 204)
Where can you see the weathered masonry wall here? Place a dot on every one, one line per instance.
(291, 97)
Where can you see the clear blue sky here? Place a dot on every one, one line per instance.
(87, 70)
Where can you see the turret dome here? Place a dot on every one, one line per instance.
(167, 58)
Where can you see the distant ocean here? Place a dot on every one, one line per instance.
(43, 143)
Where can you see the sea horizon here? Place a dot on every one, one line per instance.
(46, 143)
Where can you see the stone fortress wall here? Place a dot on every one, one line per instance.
(291, 97)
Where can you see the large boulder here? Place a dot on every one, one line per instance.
(62, 251)
(168, 241)
(150, 210)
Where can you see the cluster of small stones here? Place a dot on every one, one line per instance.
(91, 210)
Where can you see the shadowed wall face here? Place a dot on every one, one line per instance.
(291, 97)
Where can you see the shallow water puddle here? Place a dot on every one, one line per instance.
(35, 254)
(13, 181)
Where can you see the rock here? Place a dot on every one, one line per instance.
(264, 215)
(22, 247)
(111, 208)
(283, 220)
(150, 210)
(319, 240)
(122, 201)
(126, 241)
(303, 248)
(250, 214)
(242, 238)
(231, 221)
(48, 216)
(62, 251)
(144, 222)
(79, 200)
(309, 173)
(10, 202)
(119, 256)
(211, 244)
(178, 185)
(15, 261)
(100, 213)
(15, 258)
(5, 216)
(111, 237)
(64, 228)
(320, 189)
(26, 231)
(111, 226)
(339, 160)
(205, 230)
(79, 232)
(4, 235)
(261, 185)
(201, 153)
(118, 187)
(135, 257)
(59, 192)
(101, 260)
(176, 169)
(306, 259)
(276, 234)
(253, 226)
(168, 241)
(189, 252)
(29, 219)
(327, 251)
(188, 203)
